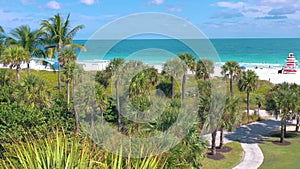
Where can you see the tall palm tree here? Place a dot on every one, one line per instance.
(77, 79)
(283, 99)
(248, 83)
(189, 61)
(14, 56)
(233, 70)
(210, 109)
(102, 100)
(175, 69)
(112, 68)
(204, 69)
(230, 118)
(68, 72)
(2, 40)
(59, 31)
(67, 58)
(1, 30)
(29, 40)
(214, 116)
(143, 82)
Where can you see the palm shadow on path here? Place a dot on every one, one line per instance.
(254, 132)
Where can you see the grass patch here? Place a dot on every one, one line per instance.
(231, 159)
(49, 76)
(276, 156)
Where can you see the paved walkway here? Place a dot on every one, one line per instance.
(250, 136)
(253, 157)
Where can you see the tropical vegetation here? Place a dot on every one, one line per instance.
(43, 125)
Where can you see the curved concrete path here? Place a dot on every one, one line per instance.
(250, 136)
(253, 157)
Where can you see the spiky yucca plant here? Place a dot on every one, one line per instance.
(62, 152)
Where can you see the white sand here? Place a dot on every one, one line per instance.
(269, 74)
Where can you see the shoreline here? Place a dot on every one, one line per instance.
(268, 72)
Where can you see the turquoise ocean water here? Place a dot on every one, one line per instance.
(248, 52)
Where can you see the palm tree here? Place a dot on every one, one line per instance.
(286, 99)
(1, 30)
(68, 72)
(189, 61)
(248, 83)
(77, 78)
(143, 82)
(295, 104)
(102, 100)
(33, 91)
(2, 39)
(211, 108)
(233, 70)
(59, 32)
(205, 67)
(14, 56)
(214, 116)
(29, 40)
(112, 68)
(230, 118)
(67, 56)
(175, 69)
(6, 77)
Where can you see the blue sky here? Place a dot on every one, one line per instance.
(216, 19)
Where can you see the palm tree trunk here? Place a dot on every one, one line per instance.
(183, 86)
(248, 105)
(28, 68)
(118, 104)
(18, 72)
(73, 88)
(173, 86)
(58, 73)
(92, 121)
(68, 92)
(75, 111)
(298, 123)
(282, 130)
(76, 121)
(221, 138)
(213, 142)
(231, 86)
(102, 117)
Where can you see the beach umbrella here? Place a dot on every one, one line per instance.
(243, 67)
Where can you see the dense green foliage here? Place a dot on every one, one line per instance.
(32, 107)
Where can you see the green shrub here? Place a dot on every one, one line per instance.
(57, 150)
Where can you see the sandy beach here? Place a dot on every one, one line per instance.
(270, 74)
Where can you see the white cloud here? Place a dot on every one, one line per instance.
(231, 5)
(156, 2)
(173, 9)
(278, 2)
(53, 5)
(27, 2)
(12, 20)
(88, 2)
